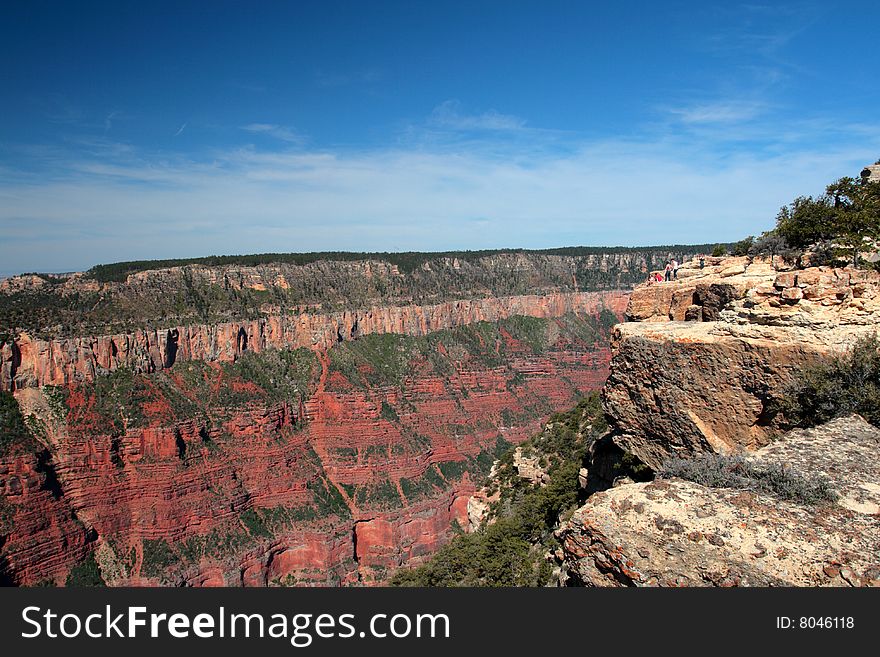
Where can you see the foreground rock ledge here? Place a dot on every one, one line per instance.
(677, 533)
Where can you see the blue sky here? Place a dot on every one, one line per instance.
(154, 130)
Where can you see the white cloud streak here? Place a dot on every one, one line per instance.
(273, 130)
(666, 190)
(449, 115)
(732, 111)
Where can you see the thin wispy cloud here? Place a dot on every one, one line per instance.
(58, 109)
(108, 121)
(733, 111)
(273, 130)
(449, 115)
(762, 32)
(365, 76)
(180, 130)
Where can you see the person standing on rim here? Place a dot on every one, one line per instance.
(674, 269)
(667, 276)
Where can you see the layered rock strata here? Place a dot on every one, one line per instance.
(212, 470)
(27, 362)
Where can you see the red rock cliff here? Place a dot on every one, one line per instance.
(29, 363)
(339, 486)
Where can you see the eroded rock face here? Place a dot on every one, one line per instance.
(340, 483)
(40, 538)
(678, 388)
(677, 533)
(29, 362)
(122, 298)
(529, 468)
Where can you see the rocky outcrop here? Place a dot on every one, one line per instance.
(699, 364)
(529, 467)
(672, 532)
(695, 372)
(29, 362)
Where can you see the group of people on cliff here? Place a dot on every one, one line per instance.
(670, 272)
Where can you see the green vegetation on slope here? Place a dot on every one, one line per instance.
(163, 560)
(273, 375)
(85, 573)
(388, 358)
(14, 432)
(124, 399)
(509, 547)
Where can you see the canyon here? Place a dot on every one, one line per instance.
(305, 445)
(313, 444)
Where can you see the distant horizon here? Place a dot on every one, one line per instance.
(190, 259)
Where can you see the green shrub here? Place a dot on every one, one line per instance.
(428, 484)
(158, 556)
(845, 384)
(14, 432)
(387, 412)
(453, 470)
(742, 247)
(607, 319)
(7, 513)
(255, 524)
(328, 500)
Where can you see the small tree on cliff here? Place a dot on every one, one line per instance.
(847, 214)
(856, 213)
(805, 221)
(772, 244)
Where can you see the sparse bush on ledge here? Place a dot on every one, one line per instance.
(843, 385)
(725, 471)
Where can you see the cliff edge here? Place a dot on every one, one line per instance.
(694, 376)
(702, 358)
(673, 532)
